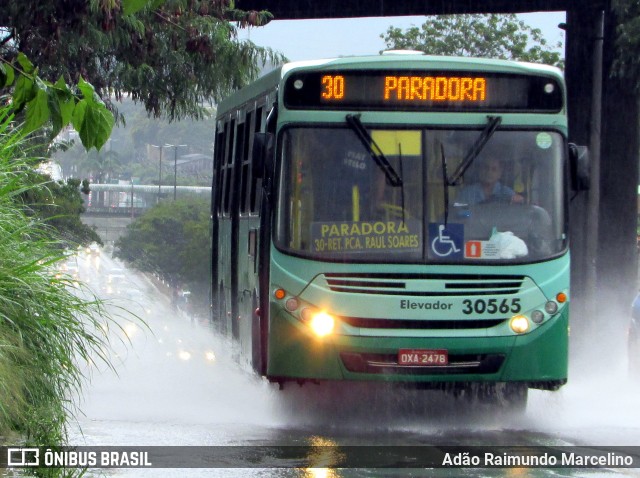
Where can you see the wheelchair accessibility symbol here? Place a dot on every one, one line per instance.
(446, 241)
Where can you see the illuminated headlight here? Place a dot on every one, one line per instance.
(519, 324)
(319, 321)
(322, 323)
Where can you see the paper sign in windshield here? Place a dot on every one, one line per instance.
(366, 236)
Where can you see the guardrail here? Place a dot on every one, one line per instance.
(113, 211)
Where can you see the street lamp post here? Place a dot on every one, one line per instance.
(160, 175)
(159, 171)
(175, 167)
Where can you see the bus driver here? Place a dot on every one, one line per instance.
(489, 188)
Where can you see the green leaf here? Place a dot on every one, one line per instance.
(23, 92)
(25, 63)
(7, 75)
(93, 122)
(89, 92)
(78, 115)
(37, 111)
(66, 101)
(61, 104)
(130, 7)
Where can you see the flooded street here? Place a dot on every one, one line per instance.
(179, 384)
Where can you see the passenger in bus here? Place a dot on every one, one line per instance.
(489, 188)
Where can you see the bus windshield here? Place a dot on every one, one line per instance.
(335, 203)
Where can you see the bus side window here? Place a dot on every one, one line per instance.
(227, 168)
(256, 183)
(246, 163)
(219, 157)
(237, 163)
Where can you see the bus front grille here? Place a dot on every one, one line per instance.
(424, 285)
(411, 324)
(388, 364)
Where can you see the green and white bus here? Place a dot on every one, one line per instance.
(397, 218)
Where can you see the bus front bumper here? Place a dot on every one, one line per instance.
(538, 358)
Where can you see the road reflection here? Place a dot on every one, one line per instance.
(178, 383)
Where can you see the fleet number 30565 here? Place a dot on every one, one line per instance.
(491, 306)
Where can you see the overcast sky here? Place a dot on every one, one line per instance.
(312, 39)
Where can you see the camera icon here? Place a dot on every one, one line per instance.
(23, 457)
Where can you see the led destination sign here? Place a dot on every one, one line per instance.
(415, 88)
(425, 90)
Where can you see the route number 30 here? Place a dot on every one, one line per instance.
(491, 306)
(332, 87)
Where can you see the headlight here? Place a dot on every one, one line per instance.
(519, 324)
(322, 323)
(319, 321)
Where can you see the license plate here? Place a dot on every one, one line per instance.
(423, 357)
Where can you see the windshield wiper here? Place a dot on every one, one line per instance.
(374, 150)
(472, 154)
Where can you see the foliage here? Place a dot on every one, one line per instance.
(59, 205)
(171, 55)
(627, 62)
(172, 240)
(103, 164)
(48, 323)
(481, 35)
(47, 102)
(129, 153)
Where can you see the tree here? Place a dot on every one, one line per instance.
(130, 142)
(487, 35)
(627, 63)
(171, 240)
(58, 205)
(173, 58)
(101, 164)
(45, 105)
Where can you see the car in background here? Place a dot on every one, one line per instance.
(116, 275)
(73, 269)
(93, 249)
(68, 269)
(633, 348)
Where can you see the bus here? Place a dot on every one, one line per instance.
(399, 219)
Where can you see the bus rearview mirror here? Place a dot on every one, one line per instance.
(579, 166)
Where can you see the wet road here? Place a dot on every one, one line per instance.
(180, 384)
